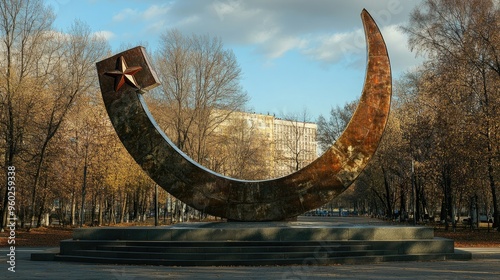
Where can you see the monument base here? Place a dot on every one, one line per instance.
(307, 241)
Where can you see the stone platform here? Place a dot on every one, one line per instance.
(255, 231)
(308, 240)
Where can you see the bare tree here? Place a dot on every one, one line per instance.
(24, 29)
(242, 147)
(72, 74)
(198, 76)
(330, 130)
(293, 142)
(462, 42)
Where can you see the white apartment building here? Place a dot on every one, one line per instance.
(291, 145)
(295, 145)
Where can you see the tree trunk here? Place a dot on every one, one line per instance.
(418, 213)
(423, 202)
(42, 208)
(124, 208)
(99, 217)
(402, 202)
(447, 208)
(388, 199)
(491, 179)
(10, 151)
(73, 208)
(37, 179)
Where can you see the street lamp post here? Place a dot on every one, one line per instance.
(413, 192)
(156, 205)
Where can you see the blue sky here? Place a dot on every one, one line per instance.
(295, 55)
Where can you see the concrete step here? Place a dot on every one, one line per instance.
(267, 243)
(223, 255)
(227, 243)
(195, 248)
(205, 253)
(428, 246)
(261, 262)
(261, 231)
(214, 253)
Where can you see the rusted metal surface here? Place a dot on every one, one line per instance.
(240, 200)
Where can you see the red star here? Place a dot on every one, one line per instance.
(124, 74)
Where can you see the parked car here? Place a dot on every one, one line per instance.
(485, 219)
(465, 220)
(482, 219)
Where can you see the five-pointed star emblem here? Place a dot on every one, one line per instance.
(124, 74)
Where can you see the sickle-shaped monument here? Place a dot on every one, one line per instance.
(127, 75)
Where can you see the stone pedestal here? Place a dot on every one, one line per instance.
(306, 241)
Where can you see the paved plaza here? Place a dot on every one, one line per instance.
(485, 264)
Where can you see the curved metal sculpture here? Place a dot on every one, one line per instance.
(265, 200)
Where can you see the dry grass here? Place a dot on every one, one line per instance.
(471, 238)
(38, 237)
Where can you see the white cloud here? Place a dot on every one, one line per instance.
(189, 20)
(333, 48)
(262, 36)
(108, 35)
(125, 14)
(399, 53)
(350, 48)
(152, 20)
(226, 8)
(326, 31)
(279, 47)
(155, 12)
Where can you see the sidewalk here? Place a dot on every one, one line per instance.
(485, 264)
